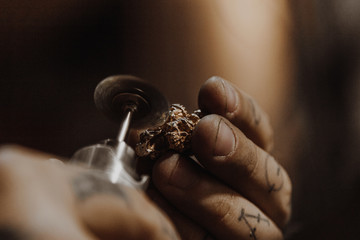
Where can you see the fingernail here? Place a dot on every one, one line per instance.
(182, 175)
(225, 140)
(231, 99)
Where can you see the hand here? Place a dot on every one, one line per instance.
(44, 200)
(235, 189)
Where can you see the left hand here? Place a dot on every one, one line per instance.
(236, 190)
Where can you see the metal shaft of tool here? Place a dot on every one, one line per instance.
(122, 148)
(124, 127)
(125, 124)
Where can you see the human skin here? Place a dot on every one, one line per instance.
(251, 54)
(176, 45)
(246, 42)
(43, 198)
(235, 187)
(238, 191)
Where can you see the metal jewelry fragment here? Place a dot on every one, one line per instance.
(175, 134)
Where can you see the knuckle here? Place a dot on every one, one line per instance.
(224, 208)
(249, 155)
(284, 214)
(285, 210)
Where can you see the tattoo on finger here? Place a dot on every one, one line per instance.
(245, 217)
(274, 181)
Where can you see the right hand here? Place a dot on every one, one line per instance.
(49, 200)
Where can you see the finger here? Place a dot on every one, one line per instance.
(227, 153)
(216, 207)
(20, 152)
(34, 197)
(187, 228)
(114, 211)
(221, 97)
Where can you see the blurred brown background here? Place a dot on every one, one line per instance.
(53, 53)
